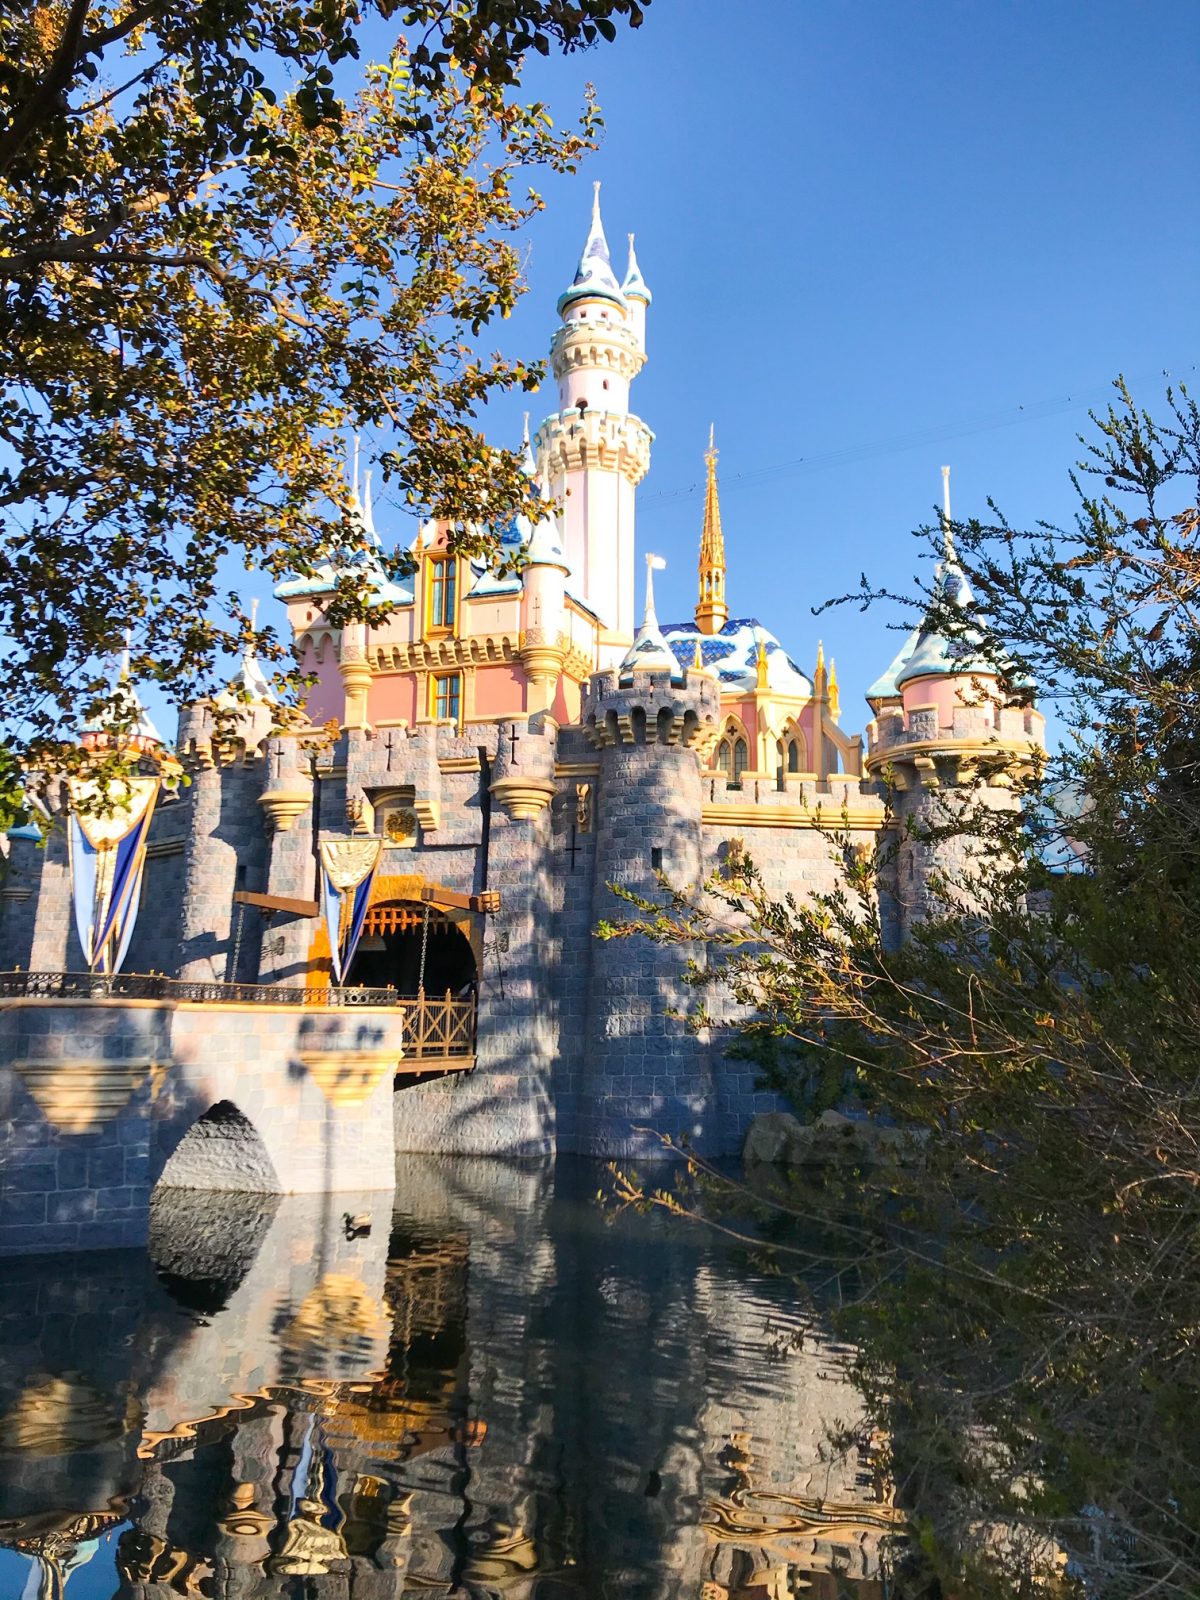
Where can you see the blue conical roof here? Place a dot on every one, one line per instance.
(594, 275)
(635, 286)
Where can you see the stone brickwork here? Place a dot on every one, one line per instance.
(96, 1096)
(581, 1042)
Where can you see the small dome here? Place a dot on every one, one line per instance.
(249, 684)
(733, 656)
(650, 652)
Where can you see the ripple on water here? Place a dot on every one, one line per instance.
(502, 1394)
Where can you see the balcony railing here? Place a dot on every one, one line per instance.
(440, 1030)
(435, 1029)
(152, 986)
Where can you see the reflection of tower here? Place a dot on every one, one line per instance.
(593, 449)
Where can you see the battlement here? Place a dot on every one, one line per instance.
(600, 344)
(574, 441)
(650, 709)
(920, 735)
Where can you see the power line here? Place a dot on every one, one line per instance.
(942, 433)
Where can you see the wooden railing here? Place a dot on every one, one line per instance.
(439, 1029)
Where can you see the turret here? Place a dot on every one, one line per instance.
(948, 734)
(637, 296)
(593, 450)
(653, 723)
(711, 610)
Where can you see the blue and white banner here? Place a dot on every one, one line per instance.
(347, 873)
(106, 846)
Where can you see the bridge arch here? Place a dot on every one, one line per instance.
(222, 1149)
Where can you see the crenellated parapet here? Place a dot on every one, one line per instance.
(208, 737)
(940, 744)
(608, 346)
(649, 708)
(574, 441)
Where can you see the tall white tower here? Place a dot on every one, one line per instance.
(593, 450)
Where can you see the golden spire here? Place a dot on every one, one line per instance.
(711, 610)
(698, 659)
(835, 699)
(760, 664)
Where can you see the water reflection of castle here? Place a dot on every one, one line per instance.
(512, 1400)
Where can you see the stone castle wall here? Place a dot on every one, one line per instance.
(580, 1041)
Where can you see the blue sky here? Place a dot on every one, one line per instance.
(880, 237)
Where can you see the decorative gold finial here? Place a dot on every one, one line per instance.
(711, 609)
(835, 701)
(760, 665)
(698, 659)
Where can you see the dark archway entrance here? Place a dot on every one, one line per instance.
(390, 951)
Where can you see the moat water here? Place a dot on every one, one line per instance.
(495, 1392)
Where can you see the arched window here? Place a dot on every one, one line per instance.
(741, 757)
(732, 755)
(793, 754)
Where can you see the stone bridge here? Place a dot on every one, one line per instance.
(103, 1098)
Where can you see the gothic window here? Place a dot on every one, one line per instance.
(447, 696)
(741, 757)
(793, 755)
(732, 755)
(442, 582)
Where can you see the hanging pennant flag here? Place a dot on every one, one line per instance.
(107, 853)
(347, 871)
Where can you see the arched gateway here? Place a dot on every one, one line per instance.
(414, 948)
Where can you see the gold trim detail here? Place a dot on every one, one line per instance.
(827, 813)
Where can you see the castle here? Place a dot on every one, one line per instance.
(507, 745)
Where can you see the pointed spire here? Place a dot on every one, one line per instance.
(653, 564)
(760, 663)
(368, 514)
(650, 651)
(634, 286)
(543, 547)
(820, 676)
(594, 275)
(835, 699)
(711, 609)
(698, 659)
(947, 536)
(250, 681)
(528, 460)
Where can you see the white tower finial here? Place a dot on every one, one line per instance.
(947, 536)
(368, 512)
(653, 564)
